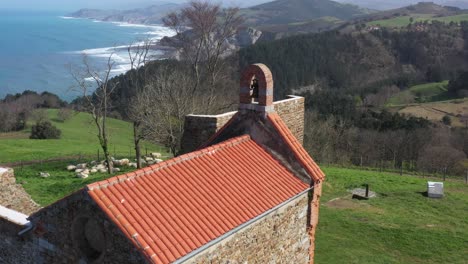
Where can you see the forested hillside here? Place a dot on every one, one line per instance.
(362, 62)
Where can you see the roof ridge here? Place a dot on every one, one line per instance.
(299, 152)
(141, 172)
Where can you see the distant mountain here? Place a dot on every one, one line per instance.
(282, 12)
(393, 4)
(422, 8)
(148, 15)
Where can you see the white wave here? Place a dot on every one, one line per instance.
(67, 17)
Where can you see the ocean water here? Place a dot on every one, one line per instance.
(37, 49)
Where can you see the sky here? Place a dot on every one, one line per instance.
(72, 5)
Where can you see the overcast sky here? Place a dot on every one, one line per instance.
(71, 5)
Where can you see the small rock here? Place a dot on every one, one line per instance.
(104, 170)
(149, 159)
(156, 155)
(133, 165)
(151, 162)
(93, 163)
(116, 162)
(81, 166)
(93, 170)
(85, 171)
(44, 174)
(158, 160)
(124, 162)
(79, 170)
(82, 175)
(71, 167)
(115, 170)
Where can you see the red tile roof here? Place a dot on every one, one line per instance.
(172, 208)
(299, 152)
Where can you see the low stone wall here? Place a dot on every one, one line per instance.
(13, 195)
(279, 237)
(198, 129)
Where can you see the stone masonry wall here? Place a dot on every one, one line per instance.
(13, 195)
(199, 128)
(279, 237)
(60, 238)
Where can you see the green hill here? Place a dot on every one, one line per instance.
(293, 11)
(424, 11)
(78, 138)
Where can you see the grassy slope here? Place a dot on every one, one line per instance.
(427, 92)
(405, 20)
(399, 226)
(78, 137)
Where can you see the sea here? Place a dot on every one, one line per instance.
(40, 49)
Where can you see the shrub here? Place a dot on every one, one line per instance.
(45, 130)
(447, 120)
(64, 114)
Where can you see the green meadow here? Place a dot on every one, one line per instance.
(79, 137)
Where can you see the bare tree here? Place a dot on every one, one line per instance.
(138, 55)
(96, 90)
(205, 43)
(160, 108)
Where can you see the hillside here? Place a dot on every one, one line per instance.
(361, 63)
(418, 12)
(296, 11)
(394, 4)
(78, 138)
(149, 15)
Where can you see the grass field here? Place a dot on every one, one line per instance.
(400, 225)
(404, 21)
(435, 111)
(428, 92)
(61, 182)
(78, 138)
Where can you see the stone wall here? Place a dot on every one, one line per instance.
(279, 237)
(198, 129)
(13, 195)
(291, 111)
(75, 230)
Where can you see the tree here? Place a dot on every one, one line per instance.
(205, 44)
(64, 114)
(138, 55)
(96, 96)
(160, 108)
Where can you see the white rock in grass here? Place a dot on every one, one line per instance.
(81, 166)
(104, 170)
(93, 170)
(82, 175)
(132, 164)
(156, 155)
(79, 170)
(158, 160)
(44, 174)
(149, 159)
(71, 167)
(124, 162)
(114, 170)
